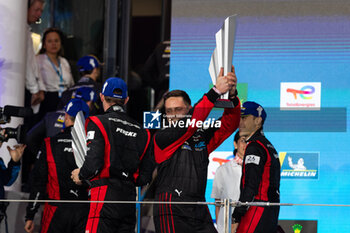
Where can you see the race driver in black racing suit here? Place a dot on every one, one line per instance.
(260, 179)
(51, 180)
(115, 162)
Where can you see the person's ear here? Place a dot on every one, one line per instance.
(235, 145)
(126, 100)
(258, 121)
(102, 97)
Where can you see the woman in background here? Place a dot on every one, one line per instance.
(54, 68)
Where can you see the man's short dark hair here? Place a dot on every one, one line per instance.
(31, 2)
(178, 93)
(86, 72)
(115, 101)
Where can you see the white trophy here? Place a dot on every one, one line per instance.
(79, 139)
(222, 56)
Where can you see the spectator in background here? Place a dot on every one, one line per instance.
(51, 180)
(54, 69)
(35, 88)
(34, 85)
(89, 69)
(9, 174)
(227, 180)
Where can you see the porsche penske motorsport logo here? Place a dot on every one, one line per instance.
(299, 165)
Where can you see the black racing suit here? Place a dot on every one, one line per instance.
(182, 155)
(260, 182)
(117, 147)
(52, 180)
(49, 126)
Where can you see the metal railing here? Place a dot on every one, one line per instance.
(227, 205)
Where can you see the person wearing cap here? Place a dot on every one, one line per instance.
(114, 162)
(227, 180)
(260, 180)
(53, 123)
(51, 180)
(89, 69)
(182, 155)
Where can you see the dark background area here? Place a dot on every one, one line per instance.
(121, 33)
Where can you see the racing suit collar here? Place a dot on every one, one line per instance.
(115, 108)
(67, 129)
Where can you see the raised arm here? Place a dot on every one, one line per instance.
(167, 140)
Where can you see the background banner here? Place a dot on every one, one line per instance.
(279, 42)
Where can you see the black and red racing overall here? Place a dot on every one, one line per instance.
(260, 182)
(182, 155)
(52, 180)
(116, 161)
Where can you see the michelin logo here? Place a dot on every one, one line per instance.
(151, 120)
(299, 165)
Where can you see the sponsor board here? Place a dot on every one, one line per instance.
(299, 165)
(300, 96)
